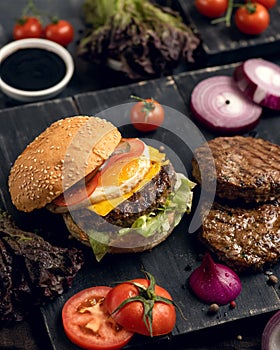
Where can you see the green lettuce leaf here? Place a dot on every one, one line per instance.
(99, 243)
(179, 203)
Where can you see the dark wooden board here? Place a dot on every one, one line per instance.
(172, 261)
(221, 44)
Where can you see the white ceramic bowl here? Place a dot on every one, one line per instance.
(37, 95)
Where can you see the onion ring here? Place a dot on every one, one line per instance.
(270, 336)
(218, 104)
(259, 80)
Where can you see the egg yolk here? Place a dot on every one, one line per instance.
(128, 170)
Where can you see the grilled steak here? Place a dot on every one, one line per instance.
(244, 237)
(149, 199)
(152, 196)
(247, 168)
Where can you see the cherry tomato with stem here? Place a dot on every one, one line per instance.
(59, 31)
(211, 8)
(141, 306)
(252, 18)
(147, 114)
(87, 323)
(27, 27)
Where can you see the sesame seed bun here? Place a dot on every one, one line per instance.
(66, 152)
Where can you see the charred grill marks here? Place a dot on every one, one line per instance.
(244, 237)
(148, 199)
(243, 225)
(246, 168)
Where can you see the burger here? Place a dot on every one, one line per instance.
(115, 194)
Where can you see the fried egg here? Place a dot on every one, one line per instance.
(121, 176)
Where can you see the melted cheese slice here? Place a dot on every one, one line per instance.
(104, 207)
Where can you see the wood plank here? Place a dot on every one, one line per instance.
(222, 44)
(164, 90)
(257, 297)
(172, 261)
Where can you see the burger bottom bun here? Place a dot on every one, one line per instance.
(128, 243)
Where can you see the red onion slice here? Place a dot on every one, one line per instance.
(271, 333)
(259, 80)
(218, 104)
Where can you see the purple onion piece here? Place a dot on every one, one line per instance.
(259, 80)
(271, 333)
(219, 105)
(215, 283)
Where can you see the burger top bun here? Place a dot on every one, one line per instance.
(59, 157)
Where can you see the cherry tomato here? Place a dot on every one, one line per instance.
(27, 27)
(130, 316)
(88, 325)
(252, 18)
(60, 31)
(211, 8)
(267, 3)
(147, 115)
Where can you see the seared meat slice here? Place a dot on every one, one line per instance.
(151, 197)
(244, 238)
(247, 168)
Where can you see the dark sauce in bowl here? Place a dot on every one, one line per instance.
(32, 69)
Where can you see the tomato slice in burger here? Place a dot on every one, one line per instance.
(78, 192)
(128, 149)
(87, 323)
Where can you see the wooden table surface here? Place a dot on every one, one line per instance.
(19, 125)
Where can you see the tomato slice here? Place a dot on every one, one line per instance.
(83, 190)
(135, 149)
(87, 323)
(78, 192)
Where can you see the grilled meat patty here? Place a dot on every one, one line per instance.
(245, 238)
(153, 195)
(247, 168)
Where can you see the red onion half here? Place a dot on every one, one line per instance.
(259, 80)
(271, 333)
(218, 104)
(214, 283)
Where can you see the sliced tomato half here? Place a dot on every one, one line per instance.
(87, 323)
(135, 149)
(83, 190)
(78, 192)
